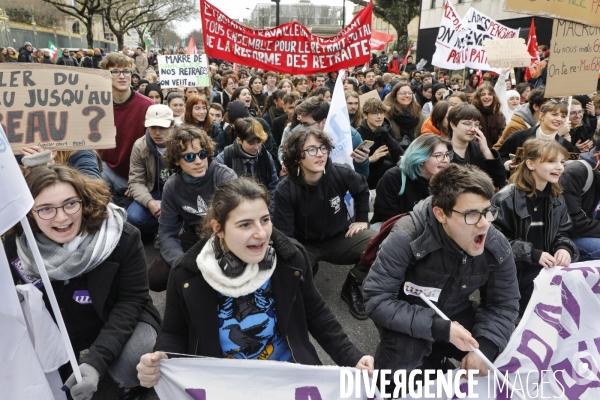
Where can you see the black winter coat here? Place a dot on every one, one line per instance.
(514, 221)
(581, 205)
(517, 139)
(418, 250)
(382, 136)
(191, 323)
(388, 203)
(118, 288)
(494, 168)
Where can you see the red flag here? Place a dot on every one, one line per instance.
(532, 48)
(480, 76)
(191, 48)
(408, 53)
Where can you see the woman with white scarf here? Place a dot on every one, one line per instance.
(245, 273)
(96, 263)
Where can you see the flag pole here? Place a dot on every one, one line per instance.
(476, 351)
(53, 303)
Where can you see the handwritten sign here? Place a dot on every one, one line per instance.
(183, 69)
(58, 108)
(503, 53)
(574, 59)
(288, 48)
(582, 11)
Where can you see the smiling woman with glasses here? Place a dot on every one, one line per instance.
(404, 113)
(402, 187)
(186, 197)
(97, 268)
(310, 207)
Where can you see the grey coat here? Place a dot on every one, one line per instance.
(418, 250)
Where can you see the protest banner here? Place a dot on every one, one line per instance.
(503, 53)
(555, 350)
(379, 40)
(583, 11)
(288, 48)
(210, 378)
(574, 59)
(58, 108)
(449, 44)
(183, 69)
(480, 27)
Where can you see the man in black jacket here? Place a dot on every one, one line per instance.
(66, 59)
(25, 53)
(581, 189)
(446, 248)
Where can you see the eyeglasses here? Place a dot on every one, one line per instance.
(443, 156)
(471, 125)
(232, 84)
(47, 213)
(191, 157)
(307, 124)
(312, 150)
(118, 72)
(580, 112)
(405, 93)
(473, 217)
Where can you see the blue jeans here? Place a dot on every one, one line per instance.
(141, 217)
(114, 181)
(589, 248)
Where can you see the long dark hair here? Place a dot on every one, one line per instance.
(253, 103)
(413, 109)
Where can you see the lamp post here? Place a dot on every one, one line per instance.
(277, 11)
(344, 14)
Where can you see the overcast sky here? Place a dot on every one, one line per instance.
(236, 9)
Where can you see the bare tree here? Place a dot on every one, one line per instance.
(23, 11)
(306, 13)
(398, 13)
(124, 15)
(84, 10)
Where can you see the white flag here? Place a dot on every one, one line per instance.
(16, 198)
(338, 127)
(450, 50)
(211, 378)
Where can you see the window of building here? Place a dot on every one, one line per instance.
(433, 4)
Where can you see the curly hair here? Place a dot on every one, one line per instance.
(293, 149)
(178, 142)
(94, 194)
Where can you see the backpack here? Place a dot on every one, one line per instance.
(370, 253)
(590, 175)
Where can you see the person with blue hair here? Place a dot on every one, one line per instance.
(401, 188)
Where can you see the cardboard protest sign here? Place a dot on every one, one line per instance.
(58, 108)
(183, 69)
(288, 48)
(373, 94)
(574, 59)
(582, 11)
(506, 52)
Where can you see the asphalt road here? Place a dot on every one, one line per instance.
(329, 281)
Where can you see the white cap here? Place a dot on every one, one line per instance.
(159, 115)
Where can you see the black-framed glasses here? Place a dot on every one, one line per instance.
(473, 217)
(71, 207)
(191, 157)
(118, 72)
(307, 124)
(312, 150)
(443, 156)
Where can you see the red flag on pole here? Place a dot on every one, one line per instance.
(532, 49)
(191, 48)
(408, 53)
(480, 76)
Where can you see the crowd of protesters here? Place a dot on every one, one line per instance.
(235, 186)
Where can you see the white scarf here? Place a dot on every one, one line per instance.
(251, 279)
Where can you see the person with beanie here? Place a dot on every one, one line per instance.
(25, 53)
(154, 93)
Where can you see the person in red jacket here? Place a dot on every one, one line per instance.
(394, 64)
(130, 113)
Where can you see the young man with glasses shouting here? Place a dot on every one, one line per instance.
(446, 248)
(310, 207)
(130, 113)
